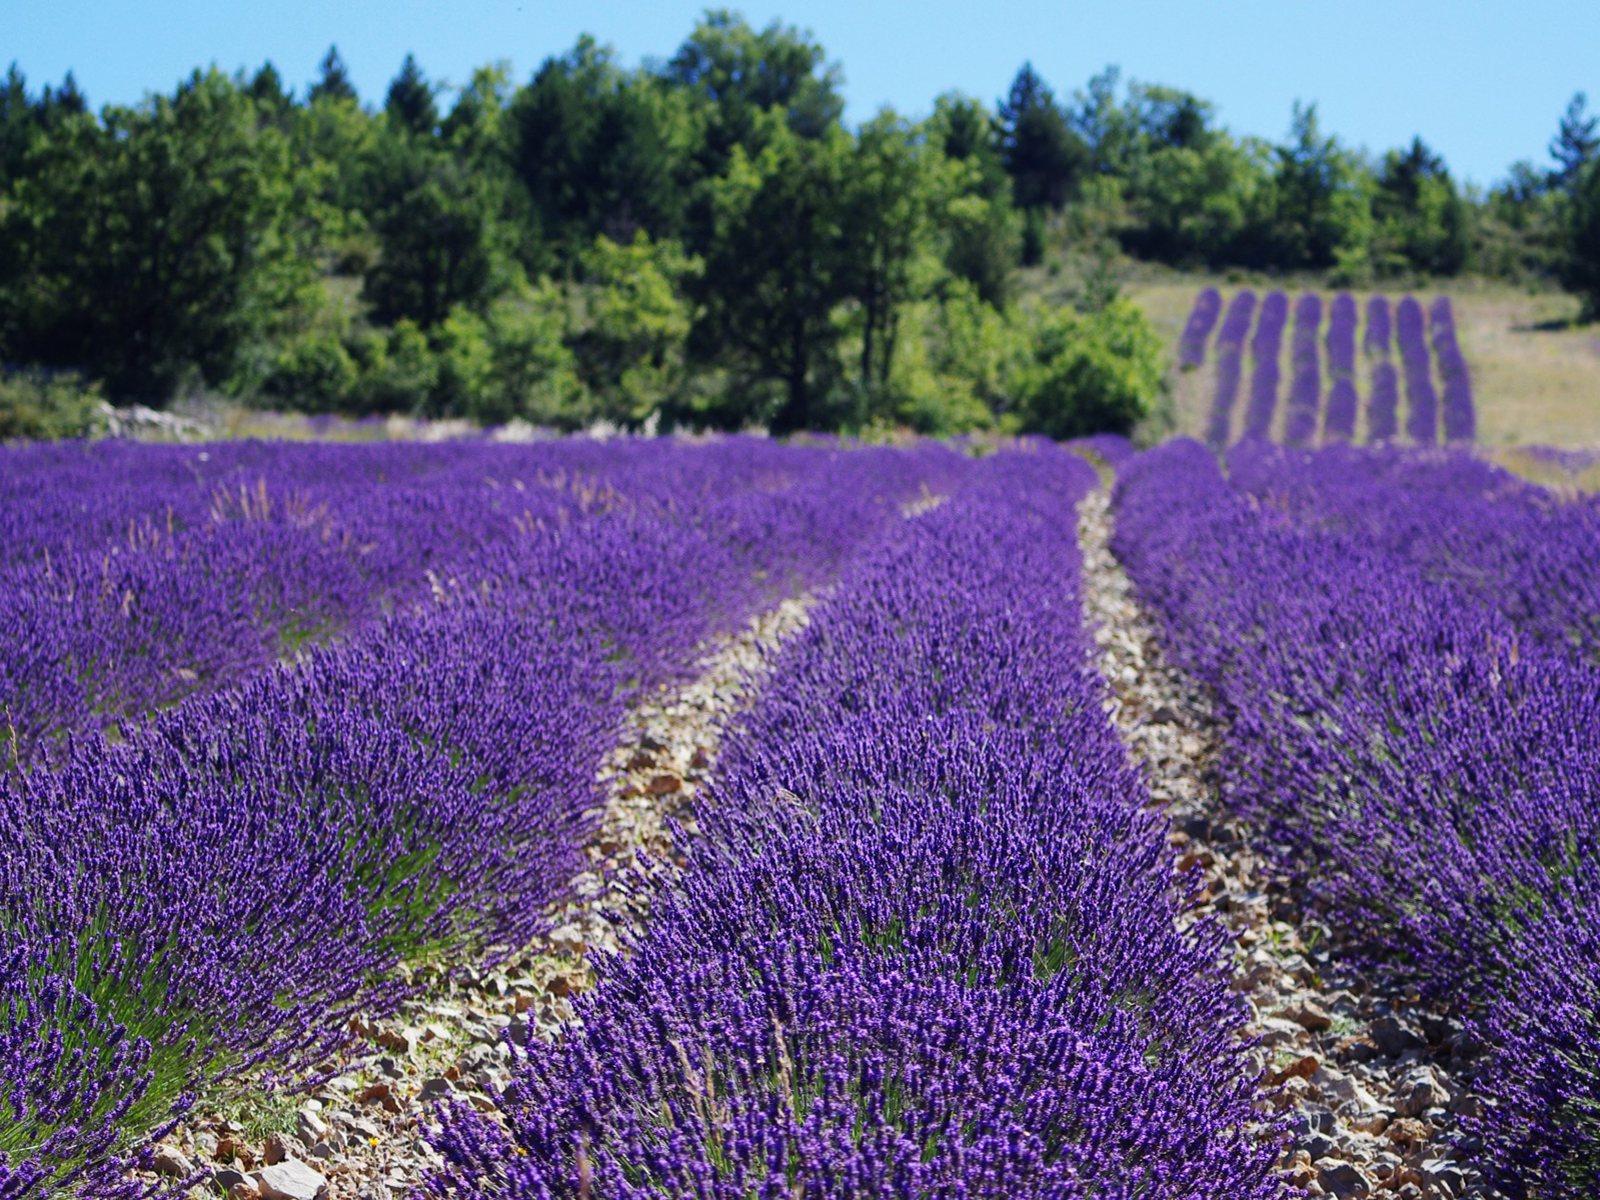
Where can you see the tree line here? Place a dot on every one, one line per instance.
(699, 241)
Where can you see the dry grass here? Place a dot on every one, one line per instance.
(1536, 377)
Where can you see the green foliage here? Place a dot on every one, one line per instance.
(1043, 155)
(41, 404)
(1089, 372)
(631, 353)
(767, 298)
(1580, 262)
(152, 245)
(434, 218)
(1422, 220)
(958, 355)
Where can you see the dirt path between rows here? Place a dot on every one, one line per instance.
(360, 1136)
(1368, 1079)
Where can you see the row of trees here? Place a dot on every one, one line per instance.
(701, 239)
(1155, 169)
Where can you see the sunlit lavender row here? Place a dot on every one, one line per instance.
(1403, 647)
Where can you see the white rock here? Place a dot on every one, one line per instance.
(290, 1180)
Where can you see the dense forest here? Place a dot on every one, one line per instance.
(696, 242)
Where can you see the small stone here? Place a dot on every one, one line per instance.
(567, 937)
(290, 1180)
(1307, 1015)
(663, 785)
(1301, 1067)
(432, 1089)
(322, 1150)
(1418, 1092)
(380, 1093)
(1344, 1179)
(1393, 1038)
(246, 1189)
(205, 1144)
(276, 1150)
(1443, 1176)
(401, 1041)
(1407, 1131)
(168, 1161)
(231, 1148)
(1343, 1090)
(311, 1127)
(227, 1178)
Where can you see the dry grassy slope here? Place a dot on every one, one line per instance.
(1533, 386)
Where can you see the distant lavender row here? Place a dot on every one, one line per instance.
(1305, 380)
(1339, 422)
(1422, 401)
(225, 884)
(1460, 422)
(1265, 348)
(928, 942)
(1230, 348)
(1202, 318)
(1431, 771)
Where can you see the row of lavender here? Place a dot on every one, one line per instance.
(1333, 415)
(217, 888)
(928, 940)
(1405, 650)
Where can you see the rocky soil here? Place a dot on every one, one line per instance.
(1370, 1081)
(362, 1133)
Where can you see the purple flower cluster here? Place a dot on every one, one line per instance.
(1460, 421)
(1305, 380)
(1339, 421)
(1230, 349)
(216, 887)
(1202, 318)
(928, 941)
(1422, 400)
(1415, 719)
(1265, 347)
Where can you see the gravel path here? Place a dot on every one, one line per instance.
(360, 1134)
(1369, 1080)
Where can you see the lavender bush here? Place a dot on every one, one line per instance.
(1460, 421)
(1305, 381)
(1265, 348)
(1230, 348)
(1422, 401)
(1339, 420)
(1202, 319)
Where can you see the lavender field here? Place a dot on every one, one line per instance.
(732, 818)
(1322, 403)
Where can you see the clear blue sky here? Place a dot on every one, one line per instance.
(1483, 81)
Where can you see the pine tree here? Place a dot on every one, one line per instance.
(1043, 156)
(335, 82)
(1575, 143)
(410, 103)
